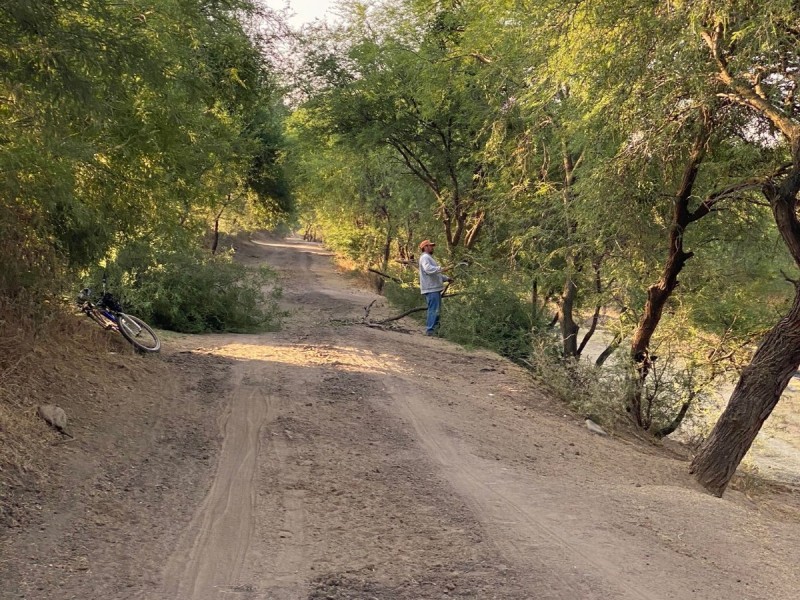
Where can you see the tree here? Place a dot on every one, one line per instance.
(399, 81)
(120, 122)
(729, 75)
(593, 146)
(679, 146)
(758, 66)
(354, 194)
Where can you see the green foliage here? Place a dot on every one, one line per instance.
(405, 296)
(357, 198)
(491, 313)
(128, 120)
(560, 135)
(395, 81)
(36, 268)
(738, 281)
(192, 292)
(267, 176)
(596, 393)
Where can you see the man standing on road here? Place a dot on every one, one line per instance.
(431, 284)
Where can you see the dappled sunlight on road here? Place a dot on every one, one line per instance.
(341, 357)
(308, 247)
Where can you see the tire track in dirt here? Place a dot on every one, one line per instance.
(287, 577)
(521, 533)
(372, 488)
(211, 555)
(350, 463)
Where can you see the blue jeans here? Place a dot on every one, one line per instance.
(434, 306)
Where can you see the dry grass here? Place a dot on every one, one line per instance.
(18, 334)
(749, 481)
(45, 357)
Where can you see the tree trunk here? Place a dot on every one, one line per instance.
(778, 355)
(758, 391)
(461, 225)
(215, 238)
(472, 235)
(659, 293)
(675, 423)
(385, 254)
(610, 349)
(569, 328)
(764, 380)
(447, 222)
(657, 297)
(598, 287)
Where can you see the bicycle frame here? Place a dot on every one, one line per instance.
(105, 318)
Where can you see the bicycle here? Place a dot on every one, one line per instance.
(108, 314)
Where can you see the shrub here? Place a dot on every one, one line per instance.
(192, 292)
(29, 263)
(490, 314)
(602, 392)
(403, 296)
(588, 390)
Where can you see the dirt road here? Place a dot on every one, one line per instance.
(339, 461)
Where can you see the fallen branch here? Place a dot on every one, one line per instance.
(411, 311)
(405, 314)
(367, 308)
(394, 328)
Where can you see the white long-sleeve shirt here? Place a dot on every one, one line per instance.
(430, 275)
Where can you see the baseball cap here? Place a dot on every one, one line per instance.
(424, 243)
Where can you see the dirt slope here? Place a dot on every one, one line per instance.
(332, 461)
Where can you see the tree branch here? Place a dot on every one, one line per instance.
(745, 94)
(411, 311)
(387, 276)
(708, 205)
(610, 349)
(675, 423)
(416, 165)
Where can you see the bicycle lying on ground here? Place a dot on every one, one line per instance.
(108, 314)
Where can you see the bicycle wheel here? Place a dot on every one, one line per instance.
(138, 333)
